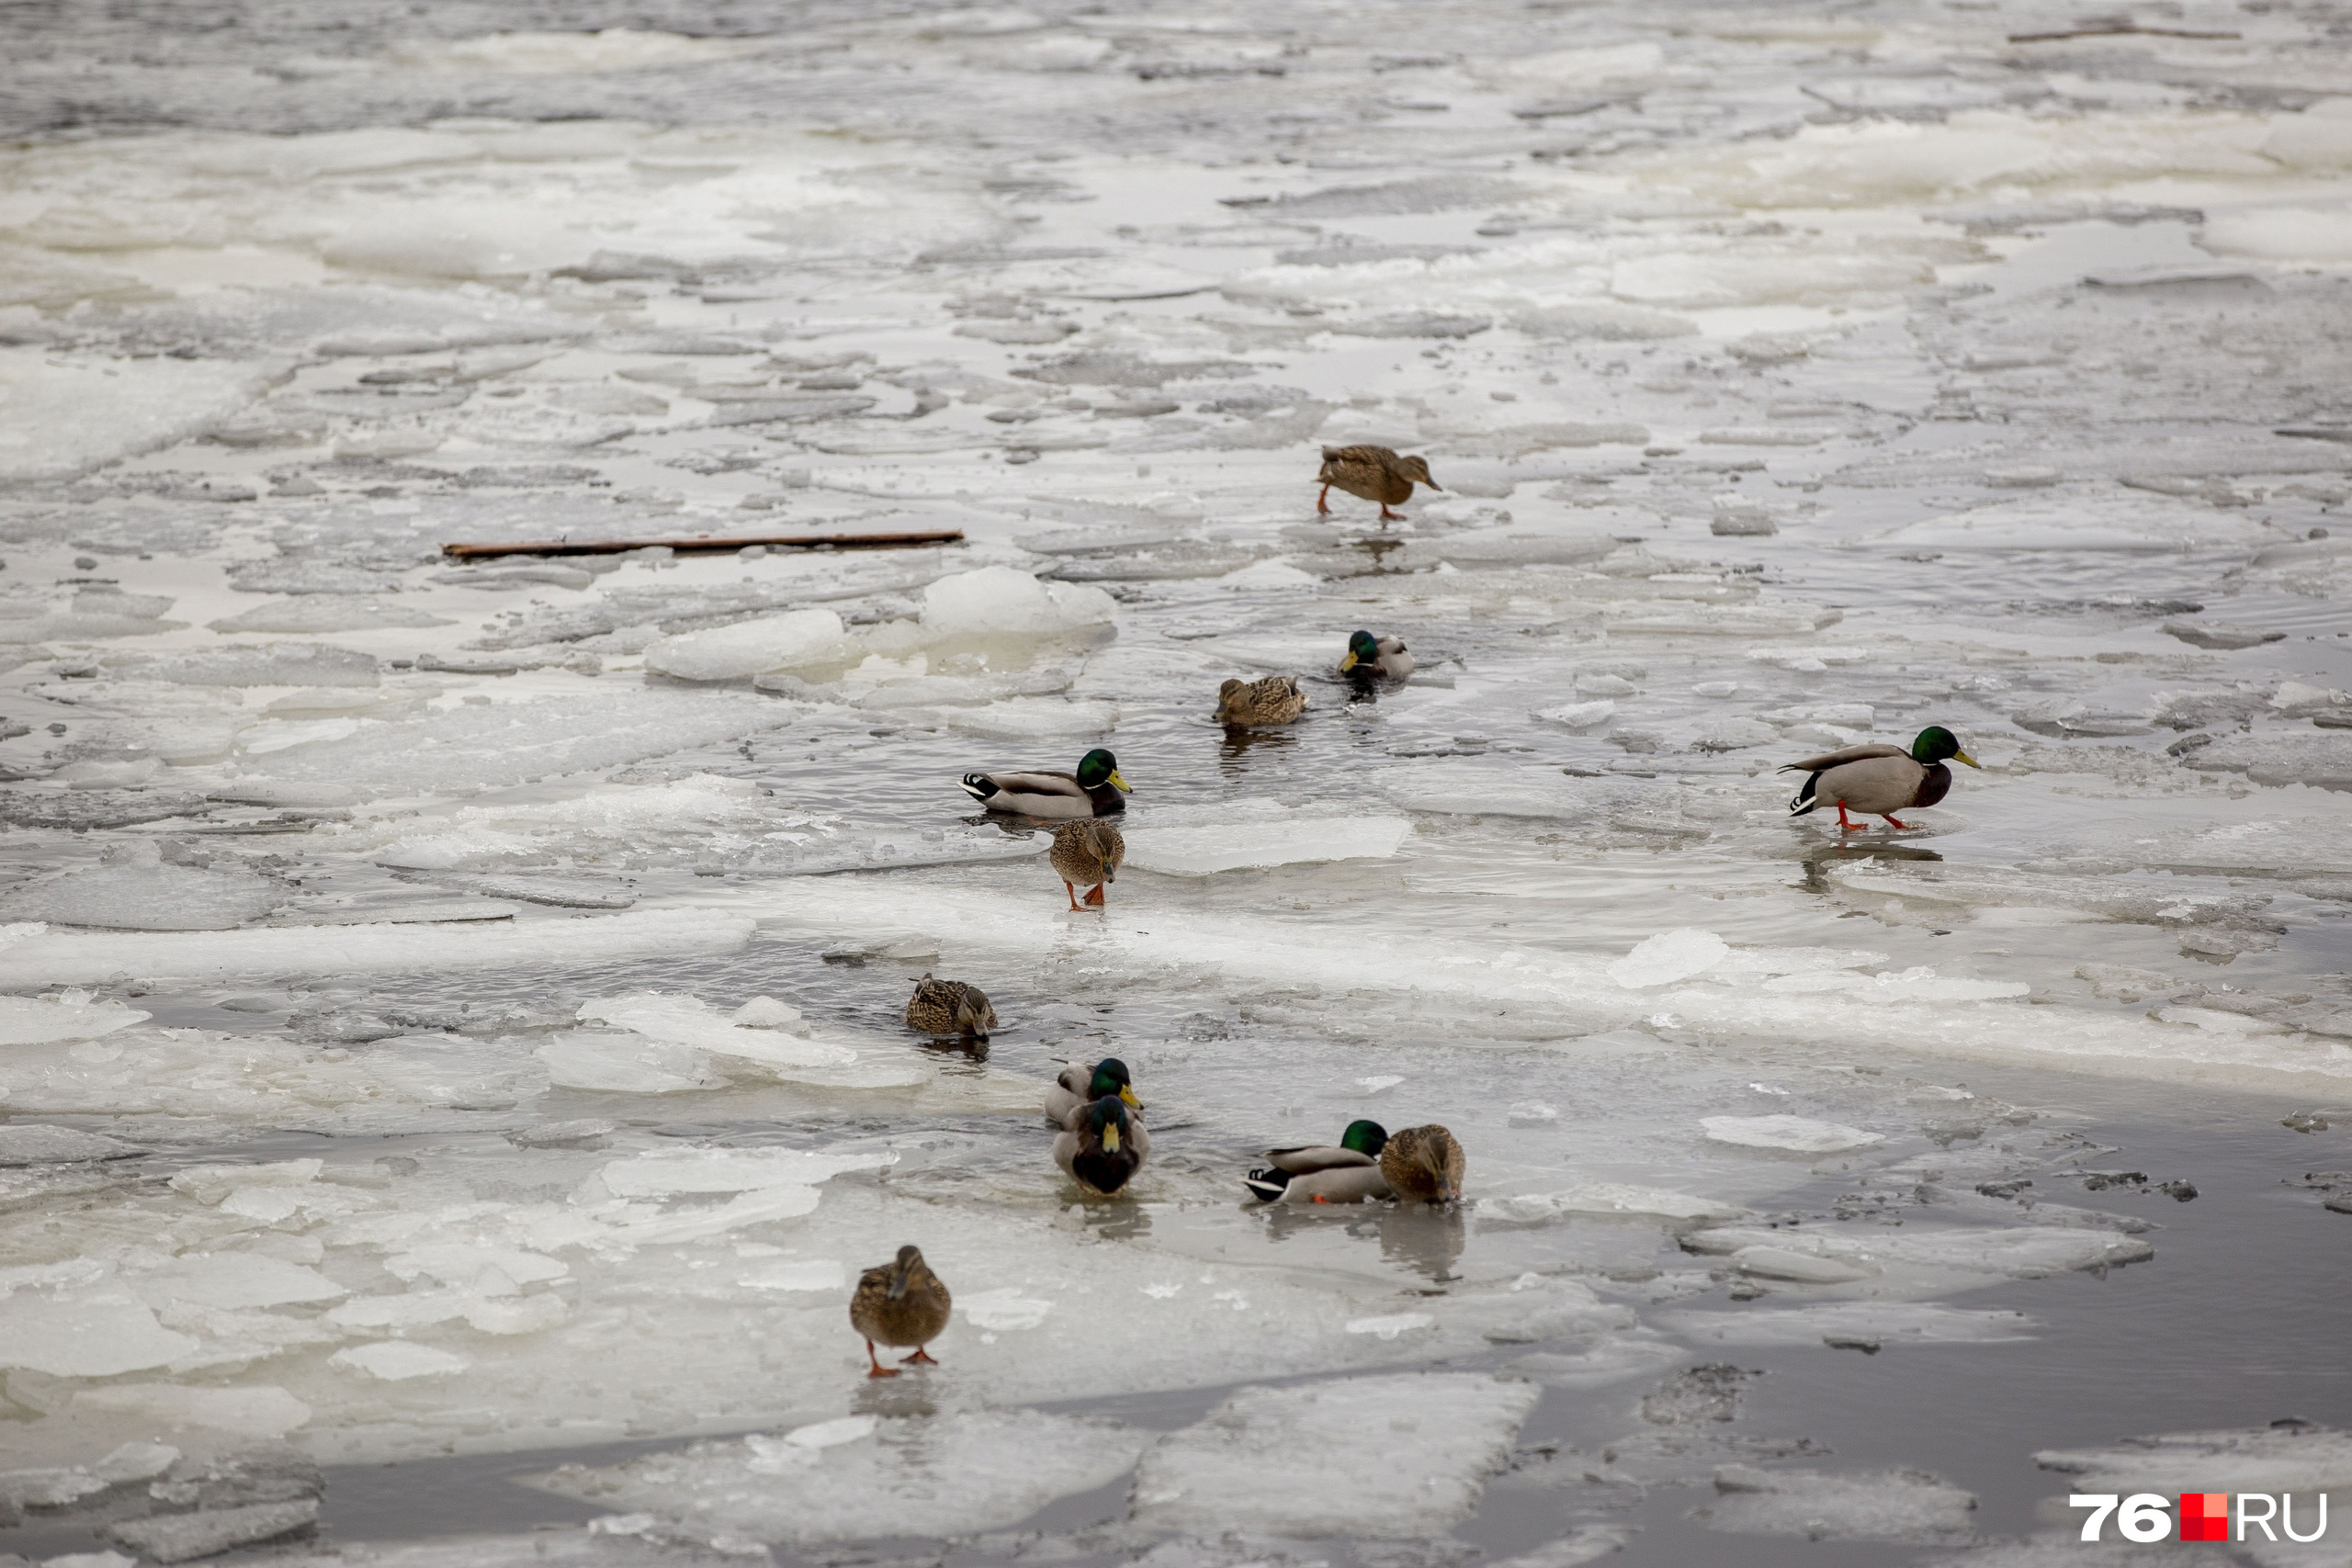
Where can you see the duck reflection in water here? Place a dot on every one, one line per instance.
(1428, 1241)
(1821, 857)
(1238, 743)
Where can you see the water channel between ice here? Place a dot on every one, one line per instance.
(390, 1113)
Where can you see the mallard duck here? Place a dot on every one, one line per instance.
(1087, 853)
(902, 1303)
(950, 1006)
(1375, 473)
(1081, 1085)
(1095, 790)
(1274, 700)
(1347, 1172)
(1101, 1148)
(1385, 656)
(1423, 1165)
(1881, 780)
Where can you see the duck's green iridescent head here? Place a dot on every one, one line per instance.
(1363, 649)
(1097, 768)
(1365, 1138)
(1108, 1117)
(1111, 1079)
(1935, 743)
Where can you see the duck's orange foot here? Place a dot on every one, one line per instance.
(1073, 898)
(1894, 822)
(1847, 824)
(880, 1370)
(920, 1359)
(1095, 897)
(1323, 501)
(1388, 516)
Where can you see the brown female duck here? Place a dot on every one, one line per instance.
(901, 1303)
(1375, 473)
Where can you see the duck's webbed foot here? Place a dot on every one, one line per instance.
(880, 1370)
(921, 1358)
(1388, 516)
(1847, 824)
(1072, 891)
(1323, 501)
(1892, 821)
(1095, 897)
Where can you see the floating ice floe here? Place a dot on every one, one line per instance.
(27, 1020)
(748, 648)
(1901, 1504)
(1603, 1198)
(155, 896)
(29, 1143)
(951, 1474)
(1798, 1133)
(1203, 840)
(780, 1049)
(55, 957)
(397, 1361)
(1875, 1325)
(2289, 1456)
(1668, 957)
(1290, 1460)
(2024, 1252)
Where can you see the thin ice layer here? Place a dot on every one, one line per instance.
(1290, 1460)
(859, 1477)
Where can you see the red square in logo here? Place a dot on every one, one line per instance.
(2204, 1516)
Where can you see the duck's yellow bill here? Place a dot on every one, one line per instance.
(1111, 1137)
(1348, 661)
(1964, 757)
(1121, 783)
(1127, 1093)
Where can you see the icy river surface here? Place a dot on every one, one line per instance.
(451, 1067)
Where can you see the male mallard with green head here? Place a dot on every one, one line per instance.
(1881, 780)
(950, 1006)
(902, 1303)
(1101, 1148)
(1375, 473)
(1087, 853)
(1382, 657)
(1424, 1164)
(1274, 700)
(1347, 1172)
(1094, 790)
(1081, 1085)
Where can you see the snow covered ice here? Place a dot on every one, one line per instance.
(455, 1009)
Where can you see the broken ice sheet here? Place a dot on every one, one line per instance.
(1877, 1323)
(1245, 834)
(1289, 1461)
(1901, 1504)
(951, 1474)
(1798, 1135)
(2291, 1456)
(2025, 1252)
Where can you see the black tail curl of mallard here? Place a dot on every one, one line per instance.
(1802, 801)
(1268, 1185)
(979, 787)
